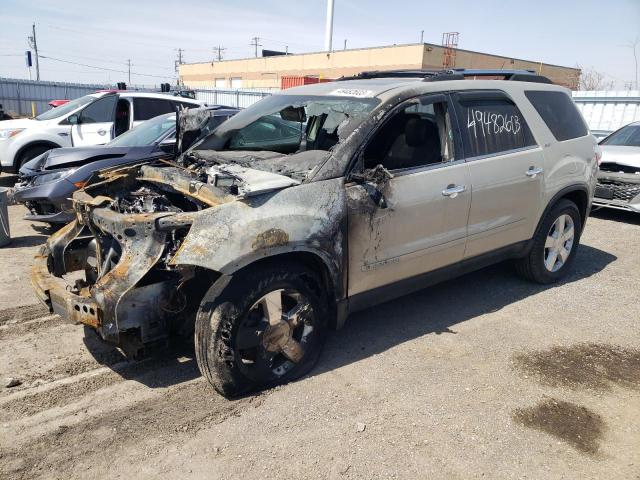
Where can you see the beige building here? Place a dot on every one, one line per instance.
(267, 72)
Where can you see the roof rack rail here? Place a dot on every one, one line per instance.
(453, 74)
(513, 75)
(390, 74)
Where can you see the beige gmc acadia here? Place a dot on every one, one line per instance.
(320, 201)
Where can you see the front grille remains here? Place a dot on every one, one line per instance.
(618, 168)
(620, 190)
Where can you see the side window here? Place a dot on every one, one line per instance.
(419, 134)
(100, 111)
(146, 108)
(272, 133)
(559, 113)
(491, 123)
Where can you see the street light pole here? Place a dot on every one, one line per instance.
(328, 34)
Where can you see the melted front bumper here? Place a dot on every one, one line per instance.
(119, 301)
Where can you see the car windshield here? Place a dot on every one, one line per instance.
(66, 108)
(628, 136)
(290, 124)
(146, 133)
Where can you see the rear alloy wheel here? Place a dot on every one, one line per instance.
(554, 245)
(559, 243)
(265, 328)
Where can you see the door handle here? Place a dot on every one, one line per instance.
(533, 172)
(452, 191)
(101, 131)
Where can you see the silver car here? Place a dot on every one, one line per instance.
(619, 175)
(320, 201)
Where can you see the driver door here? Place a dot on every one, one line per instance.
(411, 219)
(95, 123)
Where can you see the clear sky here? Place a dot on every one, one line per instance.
(590, 33)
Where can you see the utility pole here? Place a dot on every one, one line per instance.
(422, 36)
(328, 33)
(219, 49)
(255, 42)
(34, 44)
(129, 65)
(345, 44)
(176, 64)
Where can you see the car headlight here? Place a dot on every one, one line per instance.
(9, 132)
(50, 177)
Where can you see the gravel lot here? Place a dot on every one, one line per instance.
(483, 376)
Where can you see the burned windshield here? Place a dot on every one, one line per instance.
(290, 124)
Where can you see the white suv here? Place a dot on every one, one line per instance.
(93, 119)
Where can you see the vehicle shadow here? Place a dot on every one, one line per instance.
(8, 180)
(433, 310)
(25, 241)
(439, 308)
(158, 369)
(617, 215)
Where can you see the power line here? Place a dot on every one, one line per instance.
(103, 60)
(105, 68)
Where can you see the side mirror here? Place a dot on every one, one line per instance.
(373, 181)
(73, 119)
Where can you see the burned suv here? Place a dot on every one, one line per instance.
(319, 201)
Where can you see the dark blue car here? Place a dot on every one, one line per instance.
(46, 183)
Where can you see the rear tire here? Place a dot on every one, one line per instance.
(554, 245)
(244, 341)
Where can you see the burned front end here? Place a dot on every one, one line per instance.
(149, 240)
(111, 267)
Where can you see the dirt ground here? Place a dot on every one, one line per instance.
(483, 376)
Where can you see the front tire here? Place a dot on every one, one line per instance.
(30, 154)
(267, 327)
(554, 245)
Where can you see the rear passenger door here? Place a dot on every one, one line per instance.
(506, 169)
(146, 108)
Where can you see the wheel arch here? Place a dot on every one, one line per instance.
(30, 145)
(329, 277)
(578, 194)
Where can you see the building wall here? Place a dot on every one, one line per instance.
(265, 72)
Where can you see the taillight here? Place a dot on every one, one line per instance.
(597, 153)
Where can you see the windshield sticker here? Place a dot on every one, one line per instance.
(352, 92)
(488, 123)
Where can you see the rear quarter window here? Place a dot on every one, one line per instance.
(146, 108)
(491, 124)
(559, 113)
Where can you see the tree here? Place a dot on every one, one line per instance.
(591, 79)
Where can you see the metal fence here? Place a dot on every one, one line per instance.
(230, 98)
(606, 111)
(16, 96)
